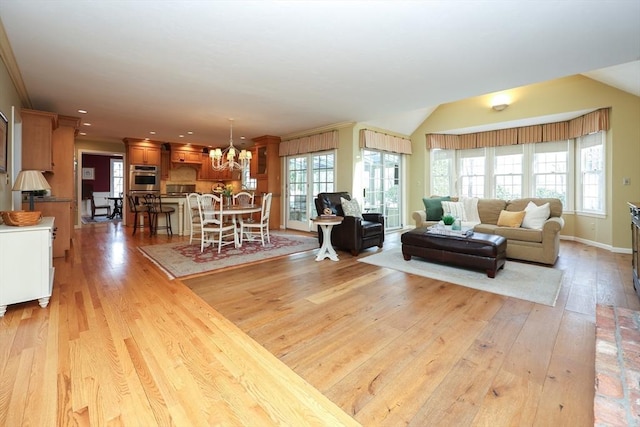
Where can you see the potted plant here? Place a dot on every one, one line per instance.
(448, 220)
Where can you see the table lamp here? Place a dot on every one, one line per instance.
(31, 180)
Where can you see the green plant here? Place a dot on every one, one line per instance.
(448, 219)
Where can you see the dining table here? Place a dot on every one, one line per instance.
(117, 207)
(233, 211)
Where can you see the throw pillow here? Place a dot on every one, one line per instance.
(535, 216)
(351, 207)
(510, 219)
(433, 206)
(455, 209)
(471, 209)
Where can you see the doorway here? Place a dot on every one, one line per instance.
(383, 186)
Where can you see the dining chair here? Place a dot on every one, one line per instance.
(214, 229)
(244, 198)
(194, 218)
(155, 208)
(95, 207)
(251, 229)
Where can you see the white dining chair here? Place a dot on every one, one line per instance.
(244, 198)
(214, 229)
(194, 217)
(251, 229)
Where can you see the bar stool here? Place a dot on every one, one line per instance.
(154, 205)
(136, 208)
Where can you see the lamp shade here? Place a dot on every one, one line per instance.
(30, 180)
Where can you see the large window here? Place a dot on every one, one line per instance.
(117, 177)
(571, 170)
(591, 173)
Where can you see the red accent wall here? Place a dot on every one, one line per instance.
(102, 170)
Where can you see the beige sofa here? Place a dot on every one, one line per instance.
(540, 246)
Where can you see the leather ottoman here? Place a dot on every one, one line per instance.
(479, 251)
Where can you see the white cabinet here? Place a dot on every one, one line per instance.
(26, 263)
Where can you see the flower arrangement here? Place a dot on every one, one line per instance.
(228, 190)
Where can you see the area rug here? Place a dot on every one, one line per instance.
(184, 259)
(524, 281)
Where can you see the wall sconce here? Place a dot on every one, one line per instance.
(500, 102)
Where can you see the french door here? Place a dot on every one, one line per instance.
(383, 186)
(308, 175)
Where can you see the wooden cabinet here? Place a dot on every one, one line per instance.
(208, 173)
(37, 133)
(61, 211)
(186, 156)
(26, 264)
(144, 154)
(165, 164)
(635, 244)
(265, 168)
(63, 142)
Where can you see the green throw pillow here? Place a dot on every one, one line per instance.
(433, 206)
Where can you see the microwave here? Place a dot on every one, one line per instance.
(144, 178)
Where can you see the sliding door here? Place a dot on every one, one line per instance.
(383, 186)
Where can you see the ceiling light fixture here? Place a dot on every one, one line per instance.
(500, 102)
(226, 159)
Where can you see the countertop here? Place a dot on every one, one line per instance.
(47, 199)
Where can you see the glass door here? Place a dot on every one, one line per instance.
(382, 186)
(304, 183)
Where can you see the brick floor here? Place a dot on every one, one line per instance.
(617, 398)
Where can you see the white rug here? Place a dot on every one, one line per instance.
(524, 281)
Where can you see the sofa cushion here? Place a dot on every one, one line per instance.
(535, 216)
(510, 219)
(489, 210)
(519, 234)
(433, 206)
(351, 207)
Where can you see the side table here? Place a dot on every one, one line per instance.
(326, 224)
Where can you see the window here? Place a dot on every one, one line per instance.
(442, 169)
(507, 172)
(248, 183)
(591, 173)
(323, 172)
(472, 172)
(117, 177)
(550, 170)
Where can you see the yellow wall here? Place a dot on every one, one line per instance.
(554, 97)
(8, 98)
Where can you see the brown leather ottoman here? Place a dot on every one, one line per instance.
(479, 251)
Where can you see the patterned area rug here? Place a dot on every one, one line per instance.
(182, 259)
(519, 280)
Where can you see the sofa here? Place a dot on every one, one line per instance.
(528, 244)
(355, 233)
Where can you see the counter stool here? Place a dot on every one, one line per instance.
(137, 208)
(154, 205)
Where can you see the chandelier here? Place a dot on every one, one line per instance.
(226, 159)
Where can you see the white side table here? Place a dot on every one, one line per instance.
(326, 224)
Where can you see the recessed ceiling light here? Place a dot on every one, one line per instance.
(82, 111)
(152, 133)
(87, 124)
(190, 133)
(181, 136)
(83, 133)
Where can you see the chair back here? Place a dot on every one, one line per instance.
(210, 209)
(266, 208)
(243, 198)
(192, 206)
(133, 206)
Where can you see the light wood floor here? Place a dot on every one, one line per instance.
(120, 344)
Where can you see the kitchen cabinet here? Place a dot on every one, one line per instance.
(26, 264)
(208, 173)
(61, 211)
(165, 166)
(143, 153)
(61, 179)
(37, 133)
(186, 156)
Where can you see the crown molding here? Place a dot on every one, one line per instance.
(6, 54)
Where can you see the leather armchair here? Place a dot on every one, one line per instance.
(353, 234)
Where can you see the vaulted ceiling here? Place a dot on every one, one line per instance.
(282, 67)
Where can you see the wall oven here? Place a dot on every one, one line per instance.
(144, 179)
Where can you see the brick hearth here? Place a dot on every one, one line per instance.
(617, 397)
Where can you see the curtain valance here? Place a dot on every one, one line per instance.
(382, 141)
(309, 144)
(589, 123)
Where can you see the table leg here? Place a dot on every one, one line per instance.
(326, 250)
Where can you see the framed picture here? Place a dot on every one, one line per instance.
(4, 137)
(88, 173)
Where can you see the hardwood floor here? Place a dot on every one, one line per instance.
(120, 344)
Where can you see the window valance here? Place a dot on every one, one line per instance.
(382, 141)
(589, 123)
(309, 144)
